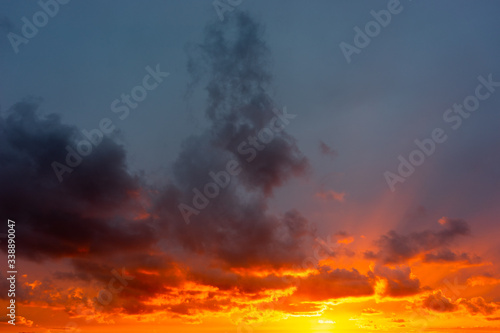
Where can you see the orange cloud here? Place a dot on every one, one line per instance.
(331, 195)
(482, 281)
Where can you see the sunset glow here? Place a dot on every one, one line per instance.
(249, 166)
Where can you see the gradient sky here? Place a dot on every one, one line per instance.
(308, 236)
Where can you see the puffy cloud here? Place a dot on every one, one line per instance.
(94, 211)
(395, 248)
(335, 283)
(446, 255)
(224, 280)
(436, 301)
(439, 303)
(102, 217)
(235, 226)
(82, 215)
(482, 280)
(478, 305)
(400, 282)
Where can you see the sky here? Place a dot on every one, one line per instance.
(249, 166)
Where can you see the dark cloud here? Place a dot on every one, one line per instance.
(102, 217)
(93, 210)
(327, 150)
(83, 215)
(439, 303)
(395, 248)
(474, 306)
(478, 305)
(233, 61)
(225, 280)
(335, 283)
(233, 64)
(107, 221)
(446, 255)
(399, 281)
